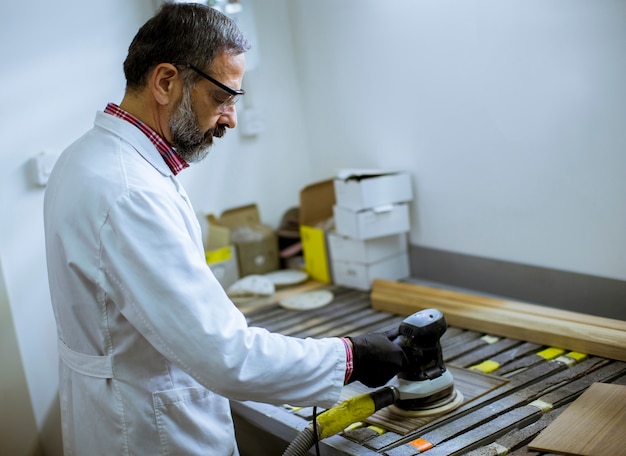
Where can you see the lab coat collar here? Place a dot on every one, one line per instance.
(136, 138)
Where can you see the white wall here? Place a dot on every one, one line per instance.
(510, 115)
(62, 61)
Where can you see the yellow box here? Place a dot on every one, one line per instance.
(316, 214)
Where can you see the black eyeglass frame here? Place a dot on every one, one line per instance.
(229, 90)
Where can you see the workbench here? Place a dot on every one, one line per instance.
(537, 383)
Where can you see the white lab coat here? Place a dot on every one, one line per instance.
(150, 344)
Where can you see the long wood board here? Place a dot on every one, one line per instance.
(543, 325)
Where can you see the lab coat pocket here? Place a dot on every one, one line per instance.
(193, 421)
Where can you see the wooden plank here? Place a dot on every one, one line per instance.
(592, 425)
(520, 307)
(552, 327)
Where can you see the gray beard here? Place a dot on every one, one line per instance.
(190, 143)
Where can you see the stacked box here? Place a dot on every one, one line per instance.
(371, 224)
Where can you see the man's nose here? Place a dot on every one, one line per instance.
(228, 117)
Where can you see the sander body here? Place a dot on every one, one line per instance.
(424, 386)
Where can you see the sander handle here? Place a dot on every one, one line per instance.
(355, 409)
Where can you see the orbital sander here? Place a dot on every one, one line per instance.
(424, 387)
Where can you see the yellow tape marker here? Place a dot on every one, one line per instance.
(357, 425)
(572, 358)
(376, 429)
(577, 356)
(499, 449)
(490, 339)
(486, 367)
(216, 256)
(421, 444)
(569, 362)
(541, 405)
(292, 408)
(551, 353)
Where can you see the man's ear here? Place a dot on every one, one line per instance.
(165, 83)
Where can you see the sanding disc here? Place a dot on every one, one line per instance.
(286, 277)
(308, 300)
(446, 405)
(251, 286)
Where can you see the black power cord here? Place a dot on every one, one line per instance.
(315, 434)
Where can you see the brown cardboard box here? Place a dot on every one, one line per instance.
(221, 254)
(316, 215)
(257, 244)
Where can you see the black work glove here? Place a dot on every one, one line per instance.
(376, 358)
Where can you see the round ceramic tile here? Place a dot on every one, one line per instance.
(286, 277)
(308, 300)
(252, 285)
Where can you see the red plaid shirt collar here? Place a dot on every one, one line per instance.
(173, 160)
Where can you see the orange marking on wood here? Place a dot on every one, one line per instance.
(421, 444)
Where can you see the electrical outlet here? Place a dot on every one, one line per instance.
(42, 165)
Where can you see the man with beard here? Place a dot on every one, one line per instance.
(150, 346)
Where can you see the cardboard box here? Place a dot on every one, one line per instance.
(316, 215)
(372, 223)
(221, 255)
(257, 244)
(361, 275)
(343, 248)
(363, 189)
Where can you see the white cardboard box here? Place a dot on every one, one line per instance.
(372, 223)
(343, 248)
(362, 189)
(361, 275)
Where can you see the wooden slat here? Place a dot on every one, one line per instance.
(499, 303)
(543, 325)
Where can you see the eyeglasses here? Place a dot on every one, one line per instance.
(233, 94)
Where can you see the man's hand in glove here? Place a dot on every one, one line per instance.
(376, 358)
